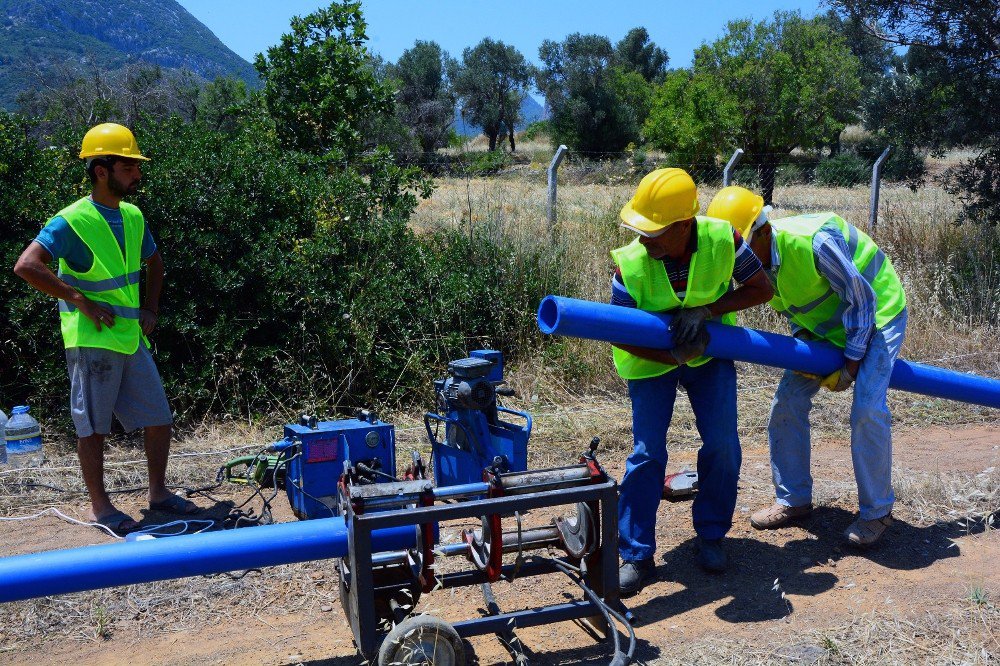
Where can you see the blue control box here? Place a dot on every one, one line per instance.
(316, 458)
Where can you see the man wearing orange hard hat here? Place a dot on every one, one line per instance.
(684, 264)
(101, 243)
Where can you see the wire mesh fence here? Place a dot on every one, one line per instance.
(765, 173)
(751, 171)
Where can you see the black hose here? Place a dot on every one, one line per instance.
(619, 658)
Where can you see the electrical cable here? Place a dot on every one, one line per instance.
(39, 485)
(155, 530)
(575, 574)
(371, 470)
(237, 516)
(151, 530)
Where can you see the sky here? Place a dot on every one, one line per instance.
(248, 27)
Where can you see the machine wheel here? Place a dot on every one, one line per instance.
(422, 639)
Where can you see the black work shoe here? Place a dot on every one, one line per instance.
(711, 557)
(633, 576)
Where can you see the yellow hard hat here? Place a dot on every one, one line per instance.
(738, 206)
(110, 139)
(663, 197)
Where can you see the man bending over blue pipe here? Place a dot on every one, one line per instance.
(834, 284)
(685, 264)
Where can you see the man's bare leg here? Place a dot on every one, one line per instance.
(91, 452)
(157, 442)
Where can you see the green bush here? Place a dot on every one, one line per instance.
(537, 129)
(35, 182)
(488, 163)
(844, 170)
(904, 164)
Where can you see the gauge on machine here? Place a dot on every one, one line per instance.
(372, 439)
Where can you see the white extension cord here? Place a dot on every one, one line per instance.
(151, 532)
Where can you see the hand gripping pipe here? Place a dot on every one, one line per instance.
(95, 567)
(576, 318)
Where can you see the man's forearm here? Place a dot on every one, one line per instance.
(44, 280)
(659, 355)
(754, 292)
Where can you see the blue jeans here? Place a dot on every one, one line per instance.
(711, 388)
(871, 428)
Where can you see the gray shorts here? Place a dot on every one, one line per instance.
(104, 382)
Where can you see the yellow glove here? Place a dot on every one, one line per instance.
(840, 380)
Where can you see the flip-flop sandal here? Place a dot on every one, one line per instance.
(176, 505)
(117, 523)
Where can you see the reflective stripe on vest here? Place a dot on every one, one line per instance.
(112, 281)
(709, 277)
(101, 285)
(116, 310)
(807, 298)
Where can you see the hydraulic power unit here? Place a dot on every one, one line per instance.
(317, 453)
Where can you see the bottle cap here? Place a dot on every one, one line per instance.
(21, 409)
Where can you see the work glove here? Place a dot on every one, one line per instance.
(840, 380)
(689, 351)
(688, 323)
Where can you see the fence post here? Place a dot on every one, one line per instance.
(876, 185)
(727, 173)
(553, 168)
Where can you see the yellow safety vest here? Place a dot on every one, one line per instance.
(112, 281)
(709, 277)
(806, 297)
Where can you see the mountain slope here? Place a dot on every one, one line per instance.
(531, 111)
(42, 35)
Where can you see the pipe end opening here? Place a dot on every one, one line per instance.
(548, 315)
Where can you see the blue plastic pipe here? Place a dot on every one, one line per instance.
(95, 567)
(576, 318)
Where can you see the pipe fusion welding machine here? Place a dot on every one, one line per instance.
(384, 531)
(480, 471)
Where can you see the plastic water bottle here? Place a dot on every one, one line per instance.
(3, 442)
(23, 436)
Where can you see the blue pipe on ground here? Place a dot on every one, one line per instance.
(576, 318)
(95, 567)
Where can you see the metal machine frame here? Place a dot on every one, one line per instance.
(358, 585)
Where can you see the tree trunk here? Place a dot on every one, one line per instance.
(510, 135)
(766, 168)
(493, 141)
(835, 146)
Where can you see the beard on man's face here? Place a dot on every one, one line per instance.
(120, 188)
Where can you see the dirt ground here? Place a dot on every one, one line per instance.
(928, 594)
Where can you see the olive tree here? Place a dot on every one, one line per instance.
(768, 87)
(491, 83)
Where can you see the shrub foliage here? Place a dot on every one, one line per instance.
(292, 283)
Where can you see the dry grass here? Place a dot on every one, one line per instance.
(951, 273)
(955, 637)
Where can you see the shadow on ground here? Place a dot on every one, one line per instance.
(802, 566)
(760, 571)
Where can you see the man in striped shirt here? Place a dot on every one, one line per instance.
(834, 284)
(684, 264)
